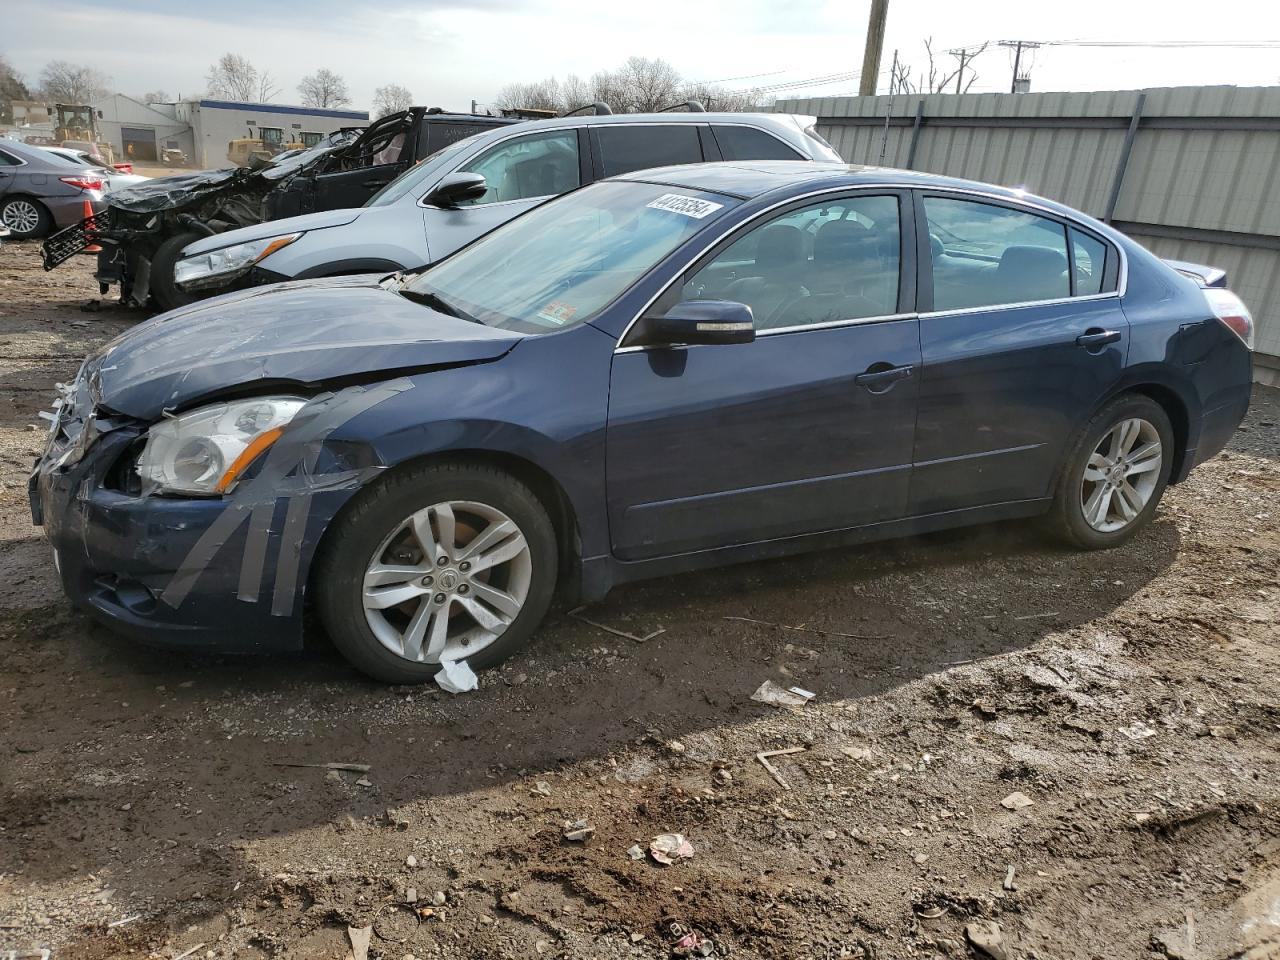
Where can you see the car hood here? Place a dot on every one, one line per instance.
(272, 228)
(279, 338)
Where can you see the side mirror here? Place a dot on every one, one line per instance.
(457, 187)
(703, 321)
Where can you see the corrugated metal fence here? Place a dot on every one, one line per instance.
(1193, 173)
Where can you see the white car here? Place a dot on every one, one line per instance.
(113, 179)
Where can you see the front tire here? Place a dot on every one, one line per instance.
(1113, 478)
(436, 563)
(166, 293)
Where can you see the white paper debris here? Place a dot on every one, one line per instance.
(769, 692)
(456, 677)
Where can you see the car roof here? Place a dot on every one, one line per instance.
(749, 179)
(785, 121)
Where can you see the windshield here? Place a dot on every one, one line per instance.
(417, 175)
(561, 263)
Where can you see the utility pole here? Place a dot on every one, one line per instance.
(1018, 46)
(888, 111)
(964, 56)
(875, 44)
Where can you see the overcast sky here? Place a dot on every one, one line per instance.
(448, 52)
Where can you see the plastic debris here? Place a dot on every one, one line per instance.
(1016, 801)
(693, 944)
(774, 695)
(636, 852)
(986, 938)
(667, 848)
(578, 830)
(360, 937)
(541, 789)
(456, 677)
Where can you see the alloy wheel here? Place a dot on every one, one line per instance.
(20, 216)
(1122, 475)
(447, 581)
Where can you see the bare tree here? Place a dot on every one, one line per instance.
(540, 95)
(640, 85)
(267, 87)
(63, 82)
(715, 97)
(324, 88)
(647, 84)
(155, 96)
(391, 99)
(234, 77)
(939, 79)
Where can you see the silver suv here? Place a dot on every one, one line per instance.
(470, 187)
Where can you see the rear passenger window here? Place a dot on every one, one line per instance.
(831, 261)
(984, 255)
(439, 134)
(627, 147)
(1089, 257)
(748, 143)
(7, 160)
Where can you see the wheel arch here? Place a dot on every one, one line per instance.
(1175, 409)
(549, 491)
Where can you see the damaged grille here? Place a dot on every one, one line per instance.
(66, 243)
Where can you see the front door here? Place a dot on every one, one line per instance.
(808, 428)
(1025, 338)
(521, 173)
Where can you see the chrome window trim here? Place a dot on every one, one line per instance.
(799, 328)
(1122, 280)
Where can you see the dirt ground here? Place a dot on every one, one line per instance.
(151, 804)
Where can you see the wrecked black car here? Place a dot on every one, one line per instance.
(144, 228)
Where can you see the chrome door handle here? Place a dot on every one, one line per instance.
(879, 377)
(1097, 338)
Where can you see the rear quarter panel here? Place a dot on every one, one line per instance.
(1177, 342)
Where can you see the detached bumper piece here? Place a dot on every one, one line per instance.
(66, 243)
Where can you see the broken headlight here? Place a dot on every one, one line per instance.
(205, 451)
(218, 266)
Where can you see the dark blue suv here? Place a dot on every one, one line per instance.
(669, 370)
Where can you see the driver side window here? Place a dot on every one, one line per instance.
(539, 165)
(822, 263)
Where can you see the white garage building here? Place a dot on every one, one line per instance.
(202, 128)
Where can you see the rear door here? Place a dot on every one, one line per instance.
(624, 147)
(809, 428)
(8, 171)
(521, 172)
(1021, 335)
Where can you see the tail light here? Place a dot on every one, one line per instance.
(124, 167)
(1231, 310)
(83, 182)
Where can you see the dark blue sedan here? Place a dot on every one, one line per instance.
(675, 369)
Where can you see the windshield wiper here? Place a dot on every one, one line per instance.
(436, 302)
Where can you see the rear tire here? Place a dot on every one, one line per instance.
(26, 218)
(167, 294)
(1111, 482)
(378, 540)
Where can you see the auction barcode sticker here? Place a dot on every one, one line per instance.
(685, 206)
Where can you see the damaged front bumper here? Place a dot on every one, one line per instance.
(118, 553)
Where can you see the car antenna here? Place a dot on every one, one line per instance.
(600, 108)
(693, 106)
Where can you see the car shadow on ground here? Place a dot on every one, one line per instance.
(120, 748)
